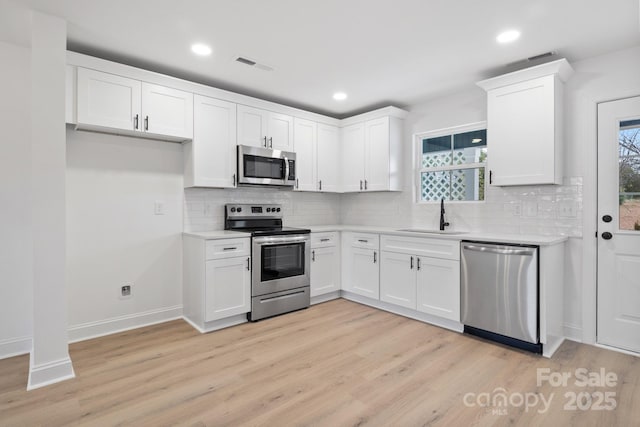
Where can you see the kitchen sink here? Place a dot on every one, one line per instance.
(423, 230)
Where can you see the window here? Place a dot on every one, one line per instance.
(451, 163)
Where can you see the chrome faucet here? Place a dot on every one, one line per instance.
(443, 223)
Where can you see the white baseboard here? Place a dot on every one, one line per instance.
(114, 325)
(406, 312)
(49, 373)
(218, 324)
(318, 299)
(572, 332)
(15, 347)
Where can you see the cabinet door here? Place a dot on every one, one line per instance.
(520, 126)
(439, 287)
(329, 158)
(213, 157)
(376, 154)
(353, 158)
(252, 126)
(305, 133)
(325, 270)
(365, 274)
(108, 101)
(398, 279)
(280, 132)
(167, 111)
(228, 288)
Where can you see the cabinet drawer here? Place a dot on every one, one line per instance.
(364, 240)
(437, 248)
(227, 248)
(322, 240)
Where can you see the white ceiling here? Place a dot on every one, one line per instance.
(397, 52)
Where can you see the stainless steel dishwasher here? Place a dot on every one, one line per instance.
(499, 293)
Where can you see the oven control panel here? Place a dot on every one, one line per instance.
(237, 210)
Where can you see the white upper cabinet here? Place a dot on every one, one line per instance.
(524, 125)
(305, 137)
(210, 159)
(353, 158)
(266, 129)
(372, 152)
(167, 111)
(110, 102)
(329, 158)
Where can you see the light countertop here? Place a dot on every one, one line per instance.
(216, 234)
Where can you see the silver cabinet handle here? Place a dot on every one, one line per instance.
(313, 256)
(375, 257)
(146, 123)
(248, 264)
(320, 185)
(360, 185)
(271, 142)
(411, 266)
(365, 184)
(297, 183)
(363, 241)
(493, 250)
(265, 142)
(325, 240)
(418, 267)
(135, 121)
(229, 249)
(234, 179)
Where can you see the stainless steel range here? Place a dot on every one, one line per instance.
(280, 259)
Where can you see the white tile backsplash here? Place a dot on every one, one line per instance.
(204, 207)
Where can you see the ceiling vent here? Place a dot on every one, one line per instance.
(252, 63)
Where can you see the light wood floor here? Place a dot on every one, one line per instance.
(335, 364)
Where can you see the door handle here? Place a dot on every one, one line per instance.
(418, 267)
(411, 267)
(313, 256)
(490, 177)
(146, 123)
(607, 236)
(375, 257)
(135, 121)
(248, 264)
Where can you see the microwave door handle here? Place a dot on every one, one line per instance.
(286, 169)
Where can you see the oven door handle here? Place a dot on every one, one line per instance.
(266, 240)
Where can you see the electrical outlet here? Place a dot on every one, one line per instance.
(567, 210)
(530, 209)
(517, 209)
(158, 207)
(125, 291)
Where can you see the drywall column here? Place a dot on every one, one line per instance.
(50, 361)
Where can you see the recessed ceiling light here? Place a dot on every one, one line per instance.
(339, 96)
(201, 49)
(508, 36)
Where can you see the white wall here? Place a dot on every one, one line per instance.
(16, 285)
(113, 235)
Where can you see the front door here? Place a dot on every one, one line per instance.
(619, 224)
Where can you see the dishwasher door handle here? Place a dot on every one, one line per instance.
(493, 250)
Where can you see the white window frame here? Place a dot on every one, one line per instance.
(417, 160)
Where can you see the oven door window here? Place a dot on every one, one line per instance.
(263, 167)
(281, 261)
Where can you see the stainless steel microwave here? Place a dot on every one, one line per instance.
(263, 166)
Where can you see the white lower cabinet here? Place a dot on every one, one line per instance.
(360, 272)
(325, 263)
(216, 290)
(228, 287)
(398, 279)
(438, 287)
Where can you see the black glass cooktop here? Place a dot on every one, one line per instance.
(276, 231)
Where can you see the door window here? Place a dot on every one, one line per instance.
(629, 174)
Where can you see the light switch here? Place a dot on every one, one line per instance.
(158, 208)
